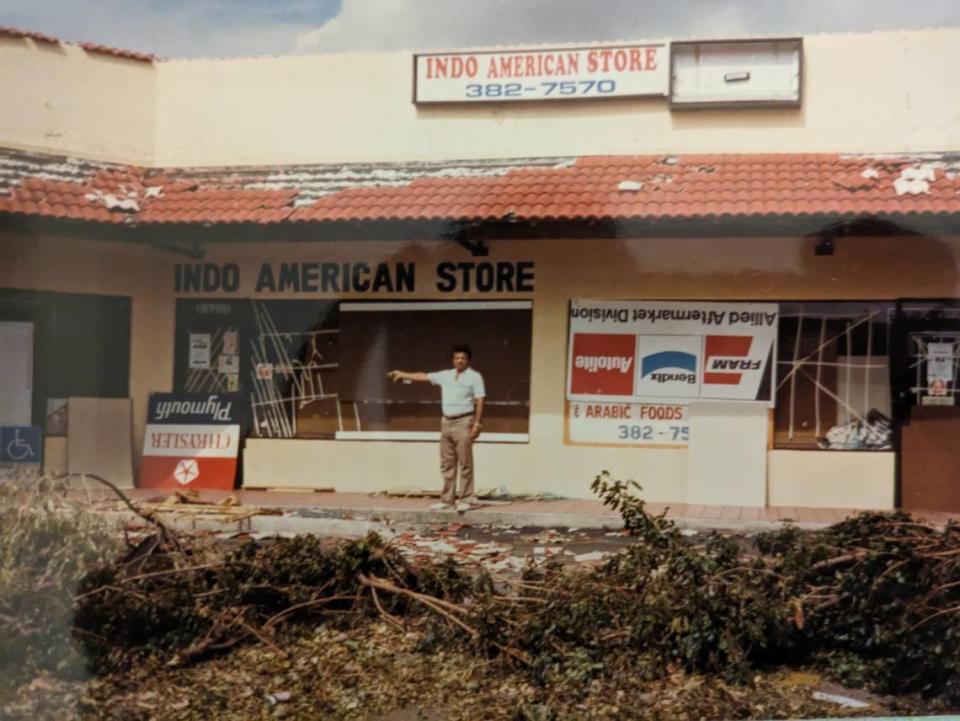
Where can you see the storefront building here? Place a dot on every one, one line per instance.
(734, 297)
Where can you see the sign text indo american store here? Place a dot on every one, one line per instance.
(634, 366)
(542, 74)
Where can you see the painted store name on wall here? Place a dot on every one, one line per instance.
(360, 277)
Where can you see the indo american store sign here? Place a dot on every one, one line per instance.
(542, 74)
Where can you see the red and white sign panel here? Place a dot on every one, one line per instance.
(554, 74)
(192, 456)
(671, 352)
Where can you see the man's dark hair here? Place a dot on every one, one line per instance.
(462, 349)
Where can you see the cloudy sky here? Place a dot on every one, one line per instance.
(203, 28)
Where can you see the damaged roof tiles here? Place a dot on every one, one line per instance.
(586, 188)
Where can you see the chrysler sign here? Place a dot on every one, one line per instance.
(556, 74)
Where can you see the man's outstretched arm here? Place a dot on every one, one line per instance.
(405, 376)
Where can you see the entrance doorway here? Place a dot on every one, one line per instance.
(16, 381)
(927, 347)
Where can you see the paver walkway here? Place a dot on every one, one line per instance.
(586, 512)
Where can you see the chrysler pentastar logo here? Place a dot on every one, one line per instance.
(186, 471)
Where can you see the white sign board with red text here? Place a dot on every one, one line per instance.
(191, 441)
(671, 352)
(542, 74)
(634, 366)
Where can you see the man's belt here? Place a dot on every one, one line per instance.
(457, 418)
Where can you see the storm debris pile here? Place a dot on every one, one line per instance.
(872, 602)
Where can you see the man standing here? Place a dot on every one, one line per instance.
(462, 395)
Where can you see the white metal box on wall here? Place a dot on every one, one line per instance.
(736, 73)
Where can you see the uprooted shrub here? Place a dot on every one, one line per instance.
(183, 604)
(880, 598)
(661, 603)
(874, 600)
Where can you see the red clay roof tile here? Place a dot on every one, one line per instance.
(694, 186)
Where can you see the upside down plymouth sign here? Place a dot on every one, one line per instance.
(557, 74)
(671, 352)
(191, 440)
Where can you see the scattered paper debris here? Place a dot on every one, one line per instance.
(838, 699)
(278, 697)
(592, 556)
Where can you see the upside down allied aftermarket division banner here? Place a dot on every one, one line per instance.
(634, 366)
(191, 440)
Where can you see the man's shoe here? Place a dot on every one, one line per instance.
(463, 506)
(441, 507)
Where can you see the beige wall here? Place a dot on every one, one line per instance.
(87, 266)
(756, 268)
(61, 99)
(838, 479)
(876, 92)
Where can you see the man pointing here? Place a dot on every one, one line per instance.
(462, 394)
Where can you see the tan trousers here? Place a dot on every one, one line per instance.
(456, 449)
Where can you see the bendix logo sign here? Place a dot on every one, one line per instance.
(604, 364)
(669, 366)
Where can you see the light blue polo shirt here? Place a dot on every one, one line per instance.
(458, 390)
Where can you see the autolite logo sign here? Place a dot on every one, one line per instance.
(603, 364)
(727, 359)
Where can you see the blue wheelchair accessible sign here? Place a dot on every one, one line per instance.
(21, 444)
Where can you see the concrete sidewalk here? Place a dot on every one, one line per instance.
(573, 513)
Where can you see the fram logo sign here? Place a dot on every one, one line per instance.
(727, 358)
(603, 364)
(670, 366)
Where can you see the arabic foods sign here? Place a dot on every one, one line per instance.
(671, 352)
(557, 74)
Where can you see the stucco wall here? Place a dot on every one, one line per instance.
(876, 92)
(88, 266)
(62, 99)
(755, 268)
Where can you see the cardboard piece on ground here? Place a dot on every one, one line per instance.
(100, 439)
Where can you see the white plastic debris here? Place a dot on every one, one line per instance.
(112, 202)
(915, 180)
(629, 186)
(870, 173)
(154, 191)
(838, 699)
(278, 697)
(592, 556)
